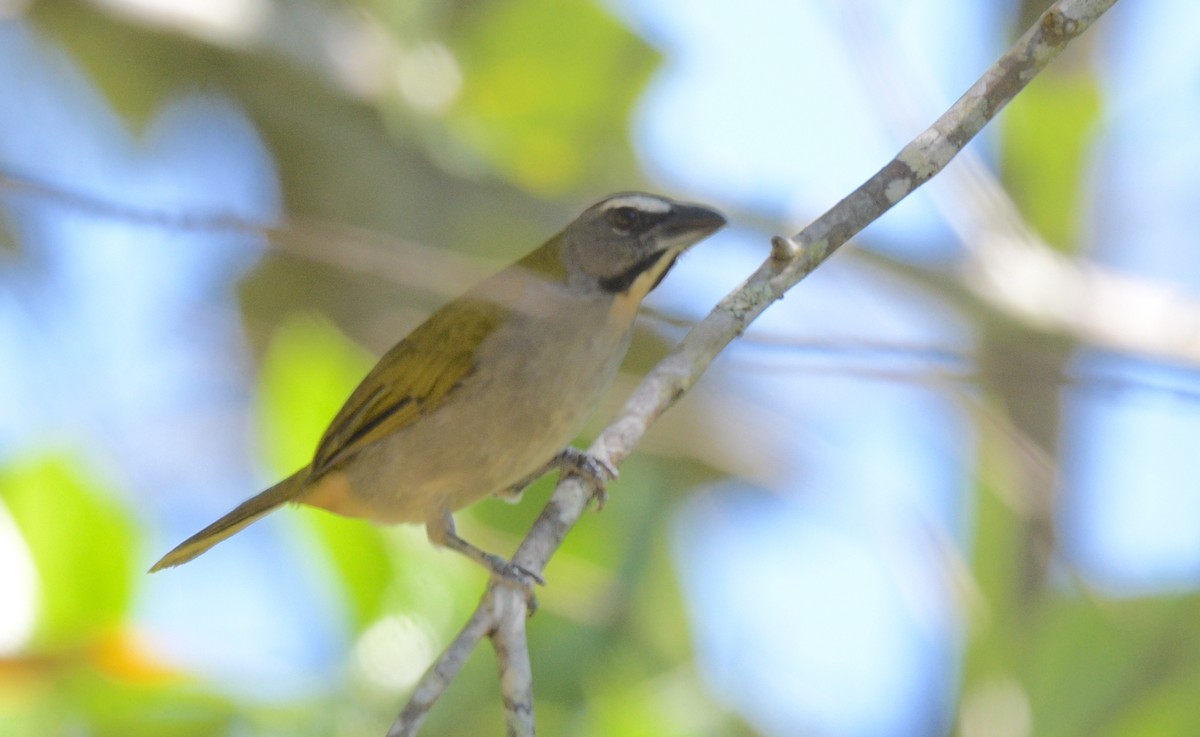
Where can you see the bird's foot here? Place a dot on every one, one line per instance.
(597, 470)
(507, 573)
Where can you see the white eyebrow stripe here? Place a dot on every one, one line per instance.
(643, 203)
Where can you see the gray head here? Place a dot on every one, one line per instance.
(631, 234)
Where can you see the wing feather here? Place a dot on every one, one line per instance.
(413, 379)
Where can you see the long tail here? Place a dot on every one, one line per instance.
(245, 513)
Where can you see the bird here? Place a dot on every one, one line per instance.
(485, 396)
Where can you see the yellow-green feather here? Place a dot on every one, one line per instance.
(412, 380)
(546, 262)
(241, 516)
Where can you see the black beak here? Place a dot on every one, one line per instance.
(692, 220)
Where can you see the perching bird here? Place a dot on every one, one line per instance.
(484, 396)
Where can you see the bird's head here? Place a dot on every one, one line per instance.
(628, 241)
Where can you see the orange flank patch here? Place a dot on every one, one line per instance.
(333, 493)
(120, 655)
(124, 656)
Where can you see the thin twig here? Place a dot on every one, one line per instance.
(512, 658)
(1011, 268)
(352, 250)
(792, 259)
(429, 689)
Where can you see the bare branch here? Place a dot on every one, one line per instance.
(1010, 267)
(353, 250)
(790, 261)
(20, 184)
(429, 689)
(502, 612)
(512, 658)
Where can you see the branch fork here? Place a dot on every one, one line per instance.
(503, 611)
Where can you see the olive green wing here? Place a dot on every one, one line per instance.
(410, 381)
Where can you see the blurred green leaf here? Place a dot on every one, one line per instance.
(1098, 663)
(1076, 666)
(308, 372)
(1166, 710)
(548, 88)
(135, 82)
(996, 557)
(73, 696)
(82, 543)
(359, 555)
(115, 708)
(625, 702)
(1046, 147)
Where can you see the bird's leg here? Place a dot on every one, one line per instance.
(441, 531)
(568, 460)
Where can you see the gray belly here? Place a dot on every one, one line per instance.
(531, 396)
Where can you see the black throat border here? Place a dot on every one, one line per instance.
(623, 281)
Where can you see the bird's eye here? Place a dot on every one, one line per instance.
(624, 219)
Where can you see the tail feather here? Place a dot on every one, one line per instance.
(245, 513)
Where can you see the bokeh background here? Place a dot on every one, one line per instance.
(948, 486)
